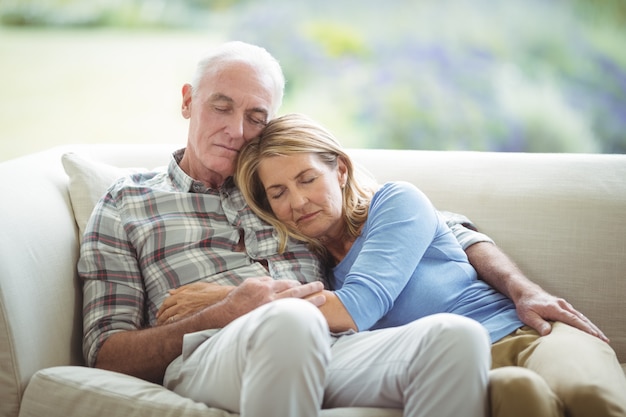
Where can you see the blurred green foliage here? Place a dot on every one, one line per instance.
(531, 76)
(336, 40)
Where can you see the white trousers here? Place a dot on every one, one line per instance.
(278, 361)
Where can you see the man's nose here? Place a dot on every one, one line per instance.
(234, 128)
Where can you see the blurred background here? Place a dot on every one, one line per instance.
(484, 75)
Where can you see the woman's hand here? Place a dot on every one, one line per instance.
(190, 299)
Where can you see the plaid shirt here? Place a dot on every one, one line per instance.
(152, 232)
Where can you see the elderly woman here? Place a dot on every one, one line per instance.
(393, 260)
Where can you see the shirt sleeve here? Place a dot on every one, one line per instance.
(401, 226)
(113, 293)
(298, 263)
(464, 230)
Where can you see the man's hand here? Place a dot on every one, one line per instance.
(190, 299)
(252, 293)
(536, 307)
(255, 292)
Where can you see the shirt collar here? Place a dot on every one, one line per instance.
(186, 183)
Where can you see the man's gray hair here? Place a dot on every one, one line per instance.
(236, 51)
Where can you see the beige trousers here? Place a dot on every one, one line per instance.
(566, 373)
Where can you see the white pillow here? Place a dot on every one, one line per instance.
(89, 180)
(78, 391)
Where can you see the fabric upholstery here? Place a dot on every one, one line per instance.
(89, 180)
(559, 216)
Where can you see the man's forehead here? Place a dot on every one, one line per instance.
(239, 84)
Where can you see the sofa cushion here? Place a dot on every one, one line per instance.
(85, 392)
(89, 180)
(78, 391)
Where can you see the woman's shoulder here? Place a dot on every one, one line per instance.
(398, 189)
(398, 201)
(400, 194)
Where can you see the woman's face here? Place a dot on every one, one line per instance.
(305, 193)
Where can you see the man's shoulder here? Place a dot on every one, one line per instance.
(155, 178)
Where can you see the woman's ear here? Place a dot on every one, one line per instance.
(342, 171)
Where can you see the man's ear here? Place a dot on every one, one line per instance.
(187, 96)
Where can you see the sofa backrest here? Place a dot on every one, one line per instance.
(561, 217)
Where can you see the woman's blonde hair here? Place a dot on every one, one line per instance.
(295, 134)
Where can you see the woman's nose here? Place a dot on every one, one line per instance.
(298, 199)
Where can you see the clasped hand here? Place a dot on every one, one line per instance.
(250, 294)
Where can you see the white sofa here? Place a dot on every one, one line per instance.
(561, 217)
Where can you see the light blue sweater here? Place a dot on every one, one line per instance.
(407, 264)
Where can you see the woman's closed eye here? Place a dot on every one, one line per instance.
(307, 180)
(275, 193)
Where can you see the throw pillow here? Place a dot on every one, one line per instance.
(89, 180)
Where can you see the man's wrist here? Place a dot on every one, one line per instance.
(520, 288)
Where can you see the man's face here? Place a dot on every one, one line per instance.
(227, 110)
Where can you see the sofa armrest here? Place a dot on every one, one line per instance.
(39, 294)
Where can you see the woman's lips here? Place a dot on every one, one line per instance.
(306, 217)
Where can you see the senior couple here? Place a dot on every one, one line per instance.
(262, 263)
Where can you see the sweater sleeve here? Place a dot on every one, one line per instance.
(401, 226)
